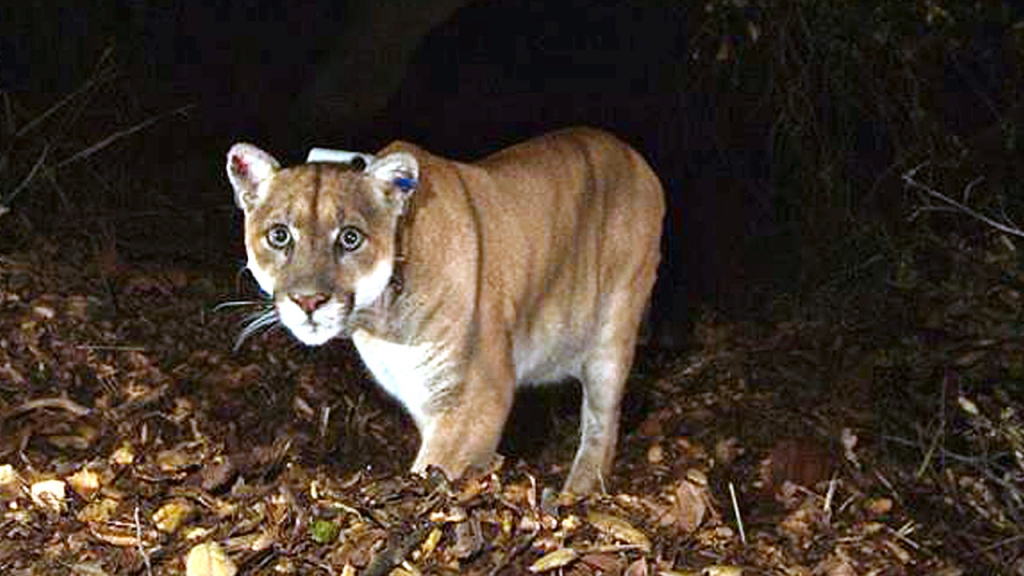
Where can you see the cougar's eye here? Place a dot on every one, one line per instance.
(350, 239)
(279, 237)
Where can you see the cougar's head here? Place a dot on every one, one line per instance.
(320, 237)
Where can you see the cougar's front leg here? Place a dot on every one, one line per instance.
(466, 426)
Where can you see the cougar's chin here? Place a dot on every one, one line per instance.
(312, 334)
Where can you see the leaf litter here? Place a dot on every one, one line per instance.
(133, 440)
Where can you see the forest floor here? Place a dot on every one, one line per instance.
(837, 437)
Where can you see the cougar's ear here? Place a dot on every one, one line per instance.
(247, 167)
(399, 169)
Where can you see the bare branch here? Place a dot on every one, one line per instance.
(29, 177)
(908, 178)
(120, 134)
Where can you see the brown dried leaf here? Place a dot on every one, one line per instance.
(637, 568)
(556, 559)
(603, 562)
(359, 543)
(100, 510)
(835, 565)
(217, 474)
(468, 539)
(899, 552)
(801, 523)
(619, 529)
(691, 505)
(174, 460)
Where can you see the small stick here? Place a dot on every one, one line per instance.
(827, 507)
(110, 347)
(40, 403)
(736, 512)
(138, 542)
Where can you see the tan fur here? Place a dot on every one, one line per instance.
(532, 265)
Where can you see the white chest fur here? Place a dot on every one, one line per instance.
(414, 375)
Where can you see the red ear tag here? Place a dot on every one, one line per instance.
(239, 166)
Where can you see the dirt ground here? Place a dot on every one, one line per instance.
(837, 437)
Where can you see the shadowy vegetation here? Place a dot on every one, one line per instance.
(75, 163)
(852, 97)
(896, 137)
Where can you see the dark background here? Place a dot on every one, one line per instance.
(701, 89)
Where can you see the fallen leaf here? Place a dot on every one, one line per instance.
(324, 531)
(11, 483)
(49, 494)
(691, 505)
(123, 456)
(169, 517)
(209, 559)
(835, 565)
(556, 559)
(605, 562)
(85, 483)
(430, 543)
(878, 506)
(100, 510)
(721, 570)
(619, 529)
(468, 539)
(898, 551)
(655, 454)
(637, 568)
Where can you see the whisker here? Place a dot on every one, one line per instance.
(255, 323)
(253, 316)
(240, 303)
(262, 319)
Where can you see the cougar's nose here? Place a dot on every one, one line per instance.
(310, 302)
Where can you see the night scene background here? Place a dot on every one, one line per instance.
(844, 178)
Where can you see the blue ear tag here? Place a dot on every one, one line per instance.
(404, 183)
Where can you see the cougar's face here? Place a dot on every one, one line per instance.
(323, 245)
(320, 239)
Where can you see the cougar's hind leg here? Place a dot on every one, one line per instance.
(603, 380)
(603, 377)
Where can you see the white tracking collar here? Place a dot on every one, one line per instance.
(338, 156)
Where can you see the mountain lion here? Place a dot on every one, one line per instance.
(458, 281)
